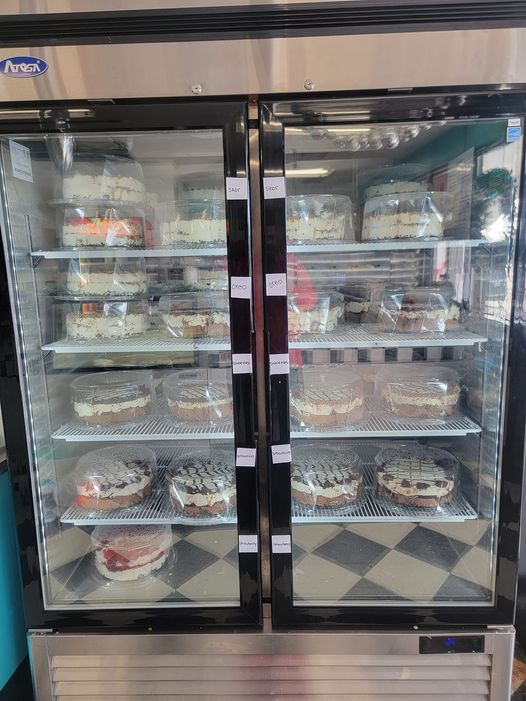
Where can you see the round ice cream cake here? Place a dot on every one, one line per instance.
(316, 407)
(197, 224)
(112, 397)
(420, 392)
(128, 553)
(415, 475)
(326, 478)
(202, 485)
(95, 186)
(119, 277)
(312, 313)
(196, 315)
(197, 402)
(106, 320)
(114, 478)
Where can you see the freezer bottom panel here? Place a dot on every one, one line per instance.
(342, 666)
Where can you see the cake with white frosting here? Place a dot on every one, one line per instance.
(317, 218)
(415, 475)
(198, 402)
(326, 478)
(105, 278)
(420, 398)
(111, 398)
(404, 215)
(104, 227)
(114, 478)
(128, 553)
(192, 224)
(113, 188)
(313, 313)
(316, 407)
(202, 485)
(88, 324)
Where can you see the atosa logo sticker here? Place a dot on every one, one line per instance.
(23, 67)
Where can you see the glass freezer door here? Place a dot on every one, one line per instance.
(400, 241)
(121, 246)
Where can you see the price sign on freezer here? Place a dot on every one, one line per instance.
(241, 287)
(279, 364)
(276, 284)
(236, 188)
(241, 363)
(281, 544)
(281, 453)
(274, 188)
(21, 161)
(248, 543)
(246, 457)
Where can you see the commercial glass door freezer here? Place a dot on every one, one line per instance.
(390, 240)
(127, 243)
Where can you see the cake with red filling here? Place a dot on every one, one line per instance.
(128, 553)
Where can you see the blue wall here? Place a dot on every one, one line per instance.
(13, 647)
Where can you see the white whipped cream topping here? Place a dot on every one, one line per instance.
(193, 231)
(103, 187)
(124, 283)
(89, 327)
(95, 408)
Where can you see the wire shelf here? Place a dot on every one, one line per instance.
(138, 344)
(364, 336)
(380, 427)
(373, 508)
(122, 252)
(153, 429)
(392, 245)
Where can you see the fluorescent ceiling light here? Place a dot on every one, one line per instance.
(308, 172)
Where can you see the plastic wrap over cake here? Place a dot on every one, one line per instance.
(416, 391)
(192, 223)
(318, 219)
(116, 397)
(407, 215)
(326, 476)
(314, 312)
(196, 314)
(199, 395)
(106, 277)
(99, 177)
(202, 484)
(325, 397)
(88, 224)
(131, 553)
(414, 475)
(416, 310)
(118, 477)
(89, 321)
(404, 177)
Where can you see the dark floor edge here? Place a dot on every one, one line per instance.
(19, 687)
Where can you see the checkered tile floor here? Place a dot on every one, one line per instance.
(393, 562)
(202, 568)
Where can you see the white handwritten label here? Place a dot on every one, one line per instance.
(21, 161)
(236, 188)
(281, 453)
(274, 188)
(241, 287)
(248, 543)
(246, 457)
(276, 284)
(241, 363)
(279, 364)
(281, 544)
(514, 122)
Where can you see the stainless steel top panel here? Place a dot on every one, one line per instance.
(272, 66)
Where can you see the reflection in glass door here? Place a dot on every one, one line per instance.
(400, 239)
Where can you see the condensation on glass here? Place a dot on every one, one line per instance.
(117, 250)
(400, 247)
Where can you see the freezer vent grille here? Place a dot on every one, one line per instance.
(224, 677)
(305, 19)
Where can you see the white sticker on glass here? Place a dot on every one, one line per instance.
(276, 284)
(241, 363)
(514, 122)
(241, 287)
(236, 188)
(21, 161)
(246, 457)
(279, 364)
(248, 543)
(281, 453)
(281, 544)
(273, 188)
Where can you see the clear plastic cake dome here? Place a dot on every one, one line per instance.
(413, 475)
(394, 179)
(196, 314)
(326, 476)
(114, 478)
(325, 397)
(106, 277)
(314, 312)
(416, 391)
(90, 224)
(318, 219)
(192, 224)
(414, 310)
(105, 398)
(96, 321)
(201, 484)
(103, 178)
(203, 395)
